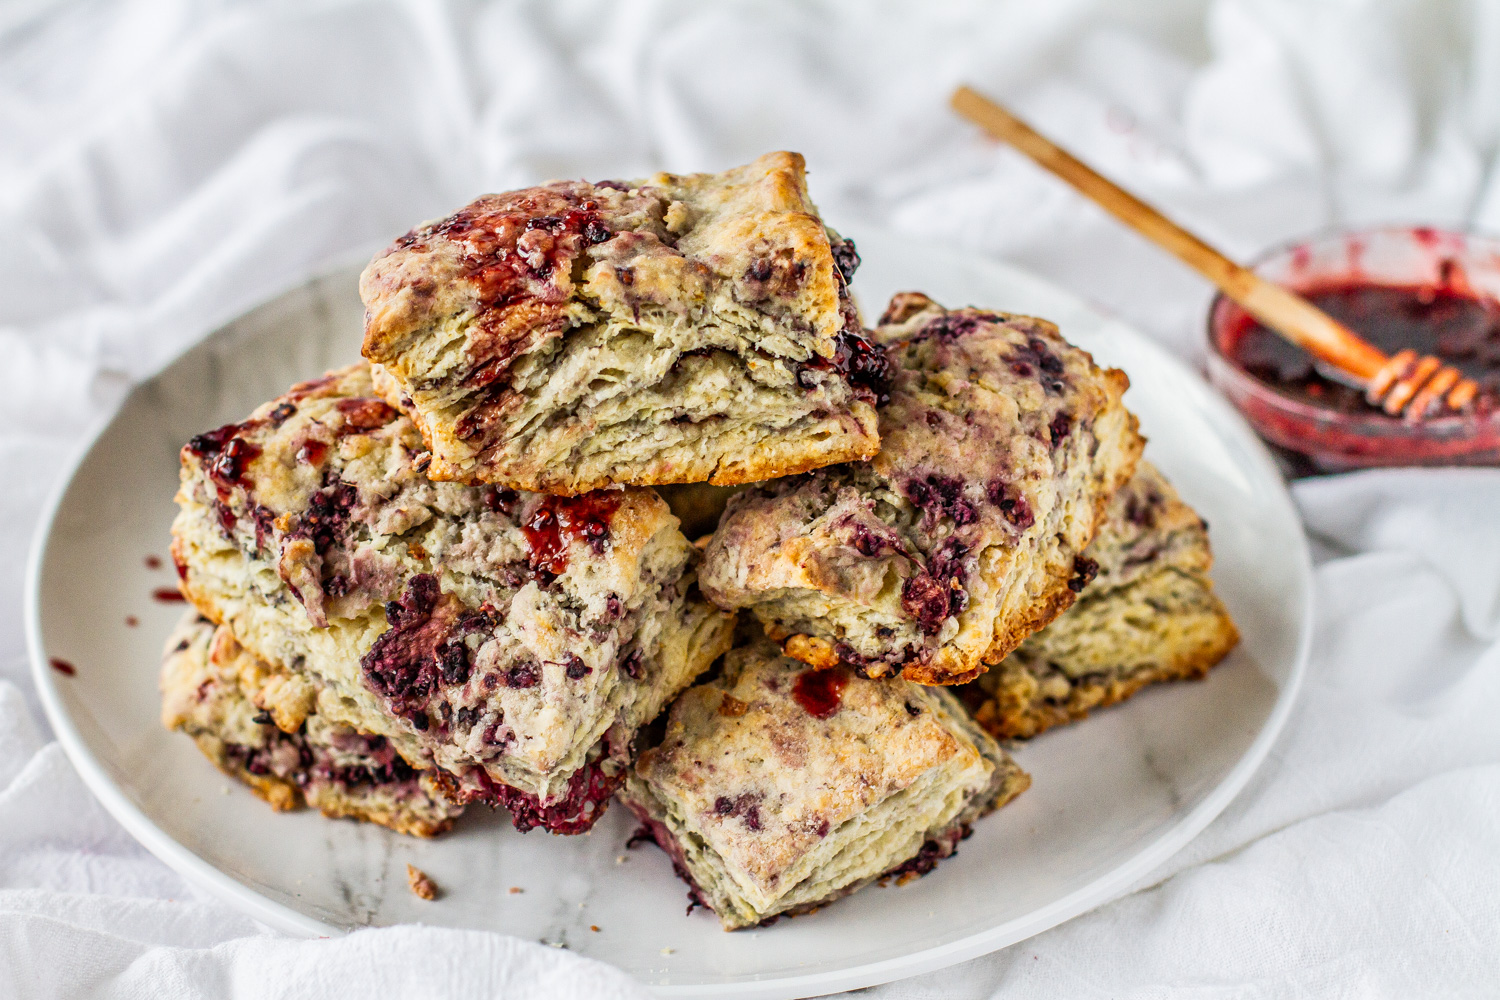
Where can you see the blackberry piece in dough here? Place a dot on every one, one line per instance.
(513, 641)
(1002, 444)
(778, 788)
(264, 729)
(678, 329)
(1150, 615)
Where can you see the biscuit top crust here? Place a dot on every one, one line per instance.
(991, 425)
(768, 759)
(529, 264)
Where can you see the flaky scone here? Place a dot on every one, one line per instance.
(778, 788)
(1149, 615)
(678, 329)
(216, 692)
(515, 641)
(1002, 445)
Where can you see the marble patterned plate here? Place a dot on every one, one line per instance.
(1111, 798)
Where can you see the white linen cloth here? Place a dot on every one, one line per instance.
(164, 165)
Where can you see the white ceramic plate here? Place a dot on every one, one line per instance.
(1111, 798)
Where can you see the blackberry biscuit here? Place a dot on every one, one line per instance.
(219, 694)
(778, 788)
(1150, 615)
(1002, 445)
(514, 641)
(678, 329)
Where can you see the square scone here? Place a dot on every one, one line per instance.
(515, 641)
(1002, 444)
(1149, 615)
(778, 787)
(215, 691)
(677, 329)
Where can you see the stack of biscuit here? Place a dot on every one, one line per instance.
(458, 571)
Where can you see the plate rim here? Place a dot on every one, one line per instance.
(205, 876)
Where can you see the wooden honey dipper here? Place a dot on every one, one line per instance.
(1401, 383)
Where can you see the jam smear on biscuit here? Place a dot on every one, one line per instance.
(820, 692)
(557, 522)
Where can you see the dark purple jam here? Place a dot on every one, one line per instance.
(936, 495)
(820, 692)
(871, 543)
(926, 859)
(1084, 571)
(846, 259)
(406, 661)
(523, 675)
(63, 666)
(1013, 506)
(1458, 328)
(953, 326)
(579, 807)
(225, 457)
(925, 600)
(747, 806)
(327, 516)
(167, 595)
(865, 366)
(1060, 428)
(1036, 360)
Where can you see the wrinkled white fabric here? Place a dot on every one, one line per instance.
(165, 164)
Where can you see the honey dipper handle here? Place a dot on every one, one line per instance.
(1286, 312)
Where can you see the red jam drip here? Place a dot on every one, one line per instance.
(312, 452)
(820, 692)
(501, 256)
(167, 595)
(1457, 327)
(225, 457)
(63, 666)
(153, 562)
(518, 251)
(365, 413)
(558, 522)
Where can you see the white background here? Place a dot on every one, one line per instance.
(165, 165)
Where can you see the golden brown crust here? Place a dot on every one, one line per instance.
(807, 648)
(1015, 708)
(1150, 615)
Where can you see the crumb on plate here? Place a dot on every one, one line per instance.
(419, 883)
